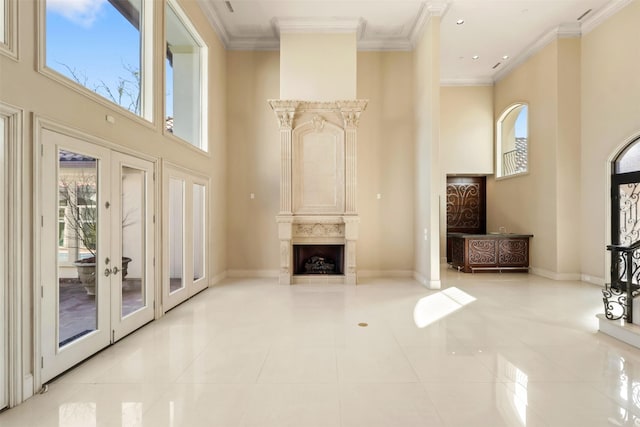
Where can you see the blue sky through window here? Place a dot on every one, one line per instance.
(94, 40)
(521, 123)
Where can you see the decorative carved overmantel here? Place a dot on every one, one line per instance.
(318, 185)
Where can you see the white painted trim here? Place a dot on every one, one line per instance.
(318, 25)
(418, 26)
(253, 273)
(610, 9)
(15, 268)
(376, 45)
(593, 280)
(213, 18)
(480, 81)
(28, 389)
(619, 329)
(527, 53)
(555, 276)
(384, 273)
(217, 278)
(430, 284)
(10, 47)
(254, 44)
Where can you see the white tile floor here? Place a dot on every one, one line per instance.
(509, 350)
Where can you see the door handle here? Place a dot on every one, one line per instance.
(115, 270)
(107, 272)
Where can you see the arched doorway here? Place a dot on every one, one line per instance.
(625, 208)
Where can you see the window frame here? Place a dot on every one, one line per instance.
(10, 26)
(203, 147)
(499, 166)
(147, 74)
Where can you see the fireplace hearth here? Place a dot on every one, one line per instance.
(318, 259)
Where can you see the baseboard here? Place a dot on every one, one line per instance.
(253, 273)
(385, 273)
(431, 284)
(555, 276)
(593, 280)
(27, 387)
(218, 278)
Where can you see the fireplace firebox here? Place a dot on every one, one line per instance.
(318, 259)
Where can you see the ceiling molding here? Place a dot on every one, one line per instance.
(385, 45)
(427, 10)
(214, 20)
(569, 30)
(254, 44)
(483, 81)
(527, 53)
(603, 14)
(316, 25)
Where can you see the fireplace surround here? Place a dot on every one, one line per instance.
(318, 187)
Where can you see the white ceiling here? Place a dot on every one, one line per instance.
(492, 28)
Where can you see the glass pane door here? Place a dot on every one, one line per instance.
(77, 245)
(132, 245)
(74, 259)
(629, 211)
(176, 235)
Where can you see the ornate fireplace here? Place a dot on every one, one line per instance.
(318, 188)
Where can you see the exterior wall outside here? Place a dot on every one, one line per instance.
(528, 203)
(610, 90)
(429, 180)
(21, 85)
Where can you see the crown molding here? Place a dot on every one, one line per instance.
(214, 20)
(479, 81)
(427, 10)
(527, 53)
(253, 43)
(399, 44)
(603, 14)
(311, 25)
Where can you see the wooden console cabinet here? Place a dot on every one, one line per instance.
(481, 252)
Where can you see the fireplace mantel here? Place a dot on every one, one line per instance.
(318, 186)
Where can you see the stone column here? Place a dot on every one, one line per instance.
(285, 112)
(351, 237)
(350, 111)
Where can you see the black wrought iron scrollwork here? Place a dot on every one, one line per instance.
(625, 282)
(615, 303)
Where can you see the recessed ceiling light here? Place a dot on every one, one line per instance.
(505, 57)
(475, 57)
(460, 21)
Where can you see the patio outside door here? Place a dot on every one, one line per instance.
(97, 249)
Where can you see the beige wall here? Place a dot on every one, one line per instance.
(385, 163)
(527, 203)
(466, 129)
(24, 87)
(542, 201)
(610, 116)
(253, 163)
(429, 180)
(466, 137)
(318, 67)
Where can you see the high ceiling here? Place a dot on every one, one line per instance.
(492, 29)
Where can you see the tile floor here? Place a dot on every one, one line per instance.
(487, 350)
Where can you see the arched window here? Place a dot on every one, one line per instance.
(625, 196)
(512, 141)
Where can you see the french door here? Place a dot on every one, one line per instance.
(184, 231)
(97, 248)
(4, 309)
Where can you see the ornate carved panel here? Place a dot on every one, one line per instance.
(318, 230)
(513, 252)
(482, 252)
(463, 205)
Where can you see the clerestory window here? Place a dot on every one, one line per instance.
(512, 141)
(102, 46)
(185, 79)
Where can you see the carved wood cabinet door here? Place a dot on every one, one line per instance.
(466, 206)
